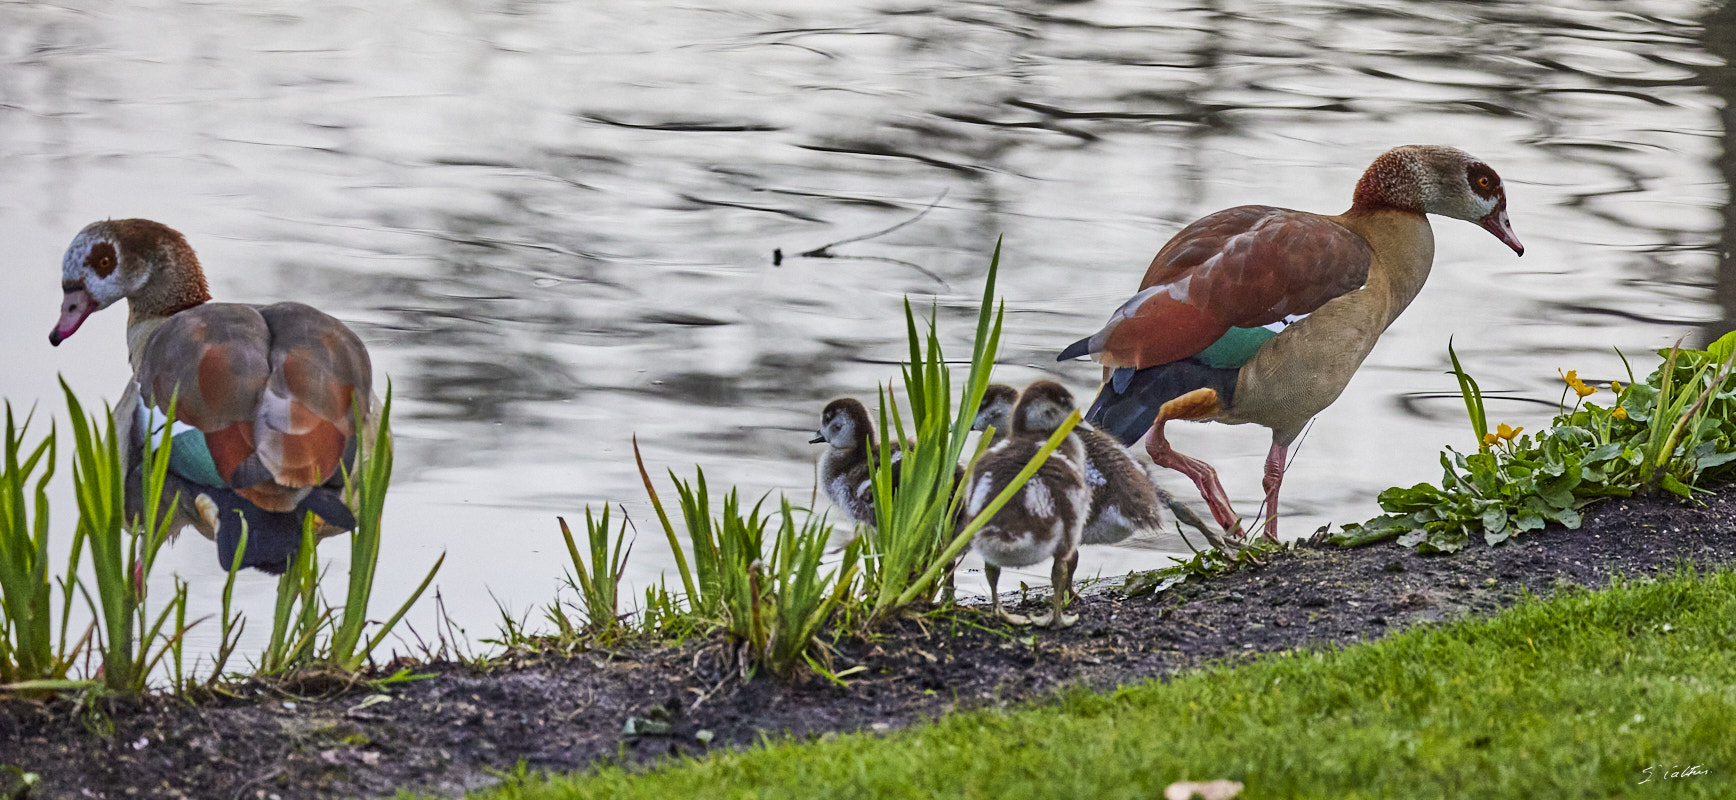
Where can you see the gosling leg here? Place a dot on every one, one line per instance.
(1061, 575)
(993, 573)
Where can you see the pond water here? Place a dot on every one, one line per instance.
(553, 223)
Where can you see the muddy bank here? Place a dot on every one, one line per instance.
(448, 733)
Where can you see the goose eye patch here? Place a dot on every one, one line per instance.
(1484, 181)
(101, 259)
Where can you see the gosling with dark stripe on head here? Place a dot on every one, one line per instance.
(1124, 500)
(849, 459)
(1047, 515)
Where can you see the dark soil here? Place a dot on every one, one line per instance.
(450, 732)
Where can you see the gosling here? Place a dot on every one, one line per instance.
(1124, 501)
(1047, 515)
(847, 464)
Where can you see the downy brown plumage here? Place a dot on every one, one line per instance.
(1046, 517)
(1124, 501)
(850, 454)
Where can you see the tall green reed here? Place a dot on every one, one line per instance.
(912, 544)
(918, 535)
(598, 583)
(307, 631)
(348, 650)
(27, 649)
(123, 551)
(774, 605)
(802, 599)
(298, 616)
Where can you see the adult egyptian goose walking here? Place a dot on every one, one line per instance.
(1262, 315)
(263, 396)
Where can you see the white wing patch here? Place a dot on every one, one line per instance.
(153, 421)
(1093, 475)
(1178, 290)
(979, 495)
(1038, 501)
(1286, 322)
(1133, 303)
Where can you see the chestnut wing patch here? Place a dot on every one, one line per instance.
(1251, 266)
(211, 361)
(1244, 267)
(269, 386)
(305, 419)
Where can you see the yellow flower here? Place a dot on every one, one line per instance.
(1619, 413)
(1508, 433)
(1490, 438)
(1579, 387)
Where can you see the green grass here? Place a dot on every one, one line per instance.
(1570, 697)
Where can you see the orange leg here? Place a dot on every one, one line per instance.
(1197, 404)
(1274, 477)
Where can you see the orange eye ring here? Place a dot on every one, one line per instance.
(103, 263)
(1483, 182)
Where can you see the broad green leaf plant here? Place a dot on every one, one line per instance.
(1671, 432)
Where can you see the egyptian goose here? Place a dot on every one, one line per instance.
(849, 458)
(1046, 517)
(1124, 501)
(264, 396)
(1260, 314)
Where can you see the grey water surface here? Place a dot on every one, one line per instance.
(553, 223)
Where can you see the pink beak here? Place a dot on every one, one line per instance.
(77, 305)
(1496, 223)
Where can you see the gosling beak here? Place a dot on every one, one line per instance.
(818, 438)
(1496, 223)
(74, 308)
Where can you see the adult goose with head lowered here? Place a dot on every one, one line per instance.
(1260, 314)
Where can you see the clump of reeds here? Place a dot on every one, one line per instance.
(597, 583)
(759, 575)
(307, 631)
(129, 639)
(28, 650)
(918, 537)
(774, 606)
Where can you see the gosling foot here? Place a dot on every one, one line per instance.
(1050, 620)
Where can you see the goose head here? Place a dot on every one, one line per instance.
(146, 262)
(1432, 179)
(844, 424)
(996, 409)
(1042, 408)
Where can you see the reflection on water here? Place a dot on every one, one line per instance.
(553, 222)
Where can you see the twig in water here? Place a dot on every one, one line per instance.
(825, 250)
